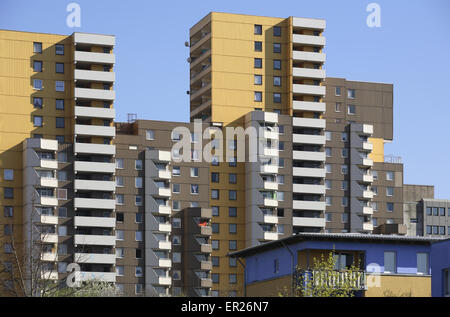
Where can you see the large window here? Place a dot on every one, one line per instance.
(422, 263)
(59, 49)
(59, 85)
(258, 29)
(276, 31)
(351, 93)
(37, 84)
(258, 80)
(59, 68)
(37, 66)
(276, 47)
(59, 104)
(258, 63)
(390, 262)
(258, 46)
(37, 47)
(59, 122)
(37, 121)
(277, 64)
(258, 96)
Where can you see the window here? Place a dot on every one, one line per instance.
(232, 161)
(120, 270)
(232, 228)
(176, 188)
(374, 205)
(62, 249)
(8, 174)
(344, 152)
(344, 218)
(276, 31)
(194, 171)
(37, 121)
(328, 217)
(59, 103)
(59, 49)
(232, 262)
(232, 195)
(327, 135)
(258, 46)
(215, 227)
(138, 236)
(138, 254)
(442, 230)
(351, 93)
(8, 211)
(375, 175)
(8, 248)
(351, 109)
(447, 282)
(176, 240)
(280, 196)
(214, 194)
(328, 200)
(337, 107)
(232, 178)
(258, 80)
(62, 231)
(232, 279)
(276, 80)
(62, 176)
(277, 64)
(8, 193)
(138, 200)
(138, 164)
(344, 137)
(59, 122)
(119, 163)
(119, 217)
(338, 91)
(37, 66)
(441, 211)
(389, 207)
(176, 222)
(276, 97)
(150, 134)
(344, 185)
(60, 139)
(37, 102)
(327, 184)
(194, 189)
(258, 29)
(281, 162)
(280, 179)
(59, 68)
(215, 211)
(215, 278)
(176, 171)
(344, 201)
(435, 211)
(344, 169)
(258, 63)
(328, 152)
(276, 47)
(390, 262)
(214, 177)
(232, 211)
(59, 85)
(8, 229)
(120, 199)
(176, 275)
(37, 47)
(232, 245)
(389, 176)
(389, 191)
(258, 96)
(429, 230)
(37, 84)
(328, 168)
(215, 244)
(138, 217)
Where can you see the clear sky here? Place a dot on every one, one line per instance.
(411, 50)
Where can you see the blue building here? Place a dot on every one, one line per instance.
(440, 269)
(390, 265)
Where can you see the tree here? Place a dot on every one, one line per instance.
(324, 280)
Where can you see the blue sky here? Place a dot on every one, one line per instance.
(411, 50)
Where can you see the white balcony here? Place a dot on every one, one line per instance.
(271, 185)
(82, 184)
(49, 220)
(165, 263)
(101, 222)
(367, 226)
(206, 231)
(92, 148)
(163, 280)
(269, 169)
(48, 182)
(270, 219)
(271, 135)
(367, 178)
(308, 172)
(159, 156)
(48, 164)
(95, 276)
(308, 39)
(164, 174)
(309, 56)
(367, 129)
(95, 112)
(164, 245)
(164, 192)
(85, 239)
(49, 275)
(309, 156)
(308, 23)
(43, 144)
(309, 106)
(96, 58)
(270, 236)
(367, 162)
(368, 194)
(206, 282)
(94, 167)
(367, 210)
(206, 265)
(269, 202)
(95, 258)
(309, 123)
(206, 248)
(270, 152)
(47, 201)
(49, 257)
(308, 139)
(93, 203)
(308, 73)
(308, 205)
(367, 146)
(309, 89)
(95, 130)
(164, 210)
(96, 94)
(164, 227)
(308, 222)
(94, 39)
(308, 189)
(49, 238)
(92, 75)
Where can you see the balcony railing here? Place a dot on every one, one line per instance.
(330, 278)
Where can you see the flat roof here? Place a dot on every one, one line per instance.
(299, 237)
